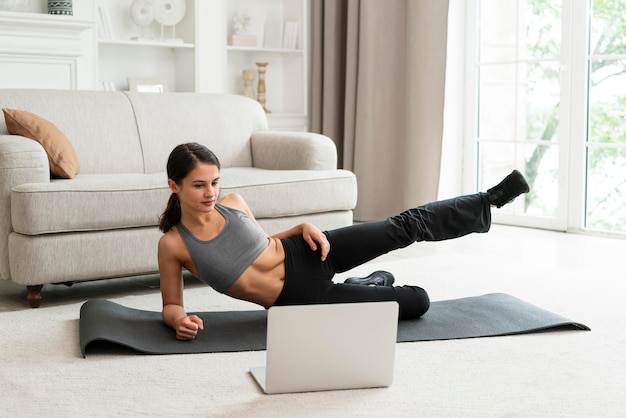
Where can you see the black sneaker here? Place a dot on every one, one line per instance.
(377, 278)
(508, 189)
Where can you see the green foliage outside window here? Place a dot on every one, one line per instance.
(606, 119)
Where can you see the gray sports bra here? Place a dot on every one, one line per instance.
(221, 260)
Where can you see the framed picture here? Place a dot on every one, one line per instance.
(147, 85)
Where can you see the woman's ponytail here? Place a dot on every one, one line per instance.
(171, 215)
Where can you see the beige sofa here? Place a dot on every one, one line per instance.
(102, 223)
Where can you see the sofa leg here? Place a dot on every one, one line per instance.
(34, 295)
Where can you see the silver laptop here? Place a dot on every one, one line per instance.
(328, 347)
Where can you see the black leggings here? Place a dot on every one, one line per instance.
(308, 280)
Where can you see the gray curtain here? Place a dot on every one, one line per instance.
(377, 89)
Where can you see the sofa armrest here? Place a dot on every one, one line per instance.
(22, 160)
(280, 150)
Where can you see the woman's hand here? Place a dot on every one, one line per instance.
(315, 237)
(187, 328)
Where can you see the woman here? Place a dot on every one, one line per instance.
(221, 243)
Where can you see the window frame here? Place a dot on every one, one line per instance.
(573, 119)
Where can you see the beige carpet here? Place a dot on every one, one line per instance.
(42, 372)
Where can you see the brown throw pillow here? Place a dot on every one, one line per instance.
(63, 159)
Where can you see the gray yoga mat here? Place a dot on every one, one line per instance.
(106, 326)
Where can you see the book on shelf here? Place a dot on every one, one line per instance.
(273, 34)
(108, 86)
(104, 24)
(290, 35)
(280, 35)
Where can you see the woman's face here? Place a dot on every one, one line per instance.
(199, 190)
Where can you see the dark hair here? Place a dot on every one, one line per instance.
(183, 159)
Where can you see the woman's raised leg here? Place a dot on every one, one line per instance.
(451, 218)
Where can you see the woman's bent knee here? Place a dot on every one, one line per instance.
(414, 303)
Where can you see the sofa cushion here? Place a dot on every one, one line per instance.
(222, 122)
(278, 193)
(62, 157)
(96, 123)
(89, 203)
(114, 201)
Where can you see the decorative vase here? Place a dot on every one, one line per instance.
(248, 83)
(60, 8)
(261, 86)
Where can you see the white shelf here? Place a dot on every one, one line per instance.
(287, 73)
(30, 24)
(247, 49)
(151, 56)
(79, 53)
(149, 44)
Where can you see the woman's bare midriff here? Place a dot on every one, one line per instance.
(263, 280)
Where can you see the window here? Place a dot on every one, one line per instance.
(549, 98)
(606, 137)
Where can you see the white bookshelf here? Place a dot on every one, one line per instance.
(127, 50)
(203, 60)
(287, 78)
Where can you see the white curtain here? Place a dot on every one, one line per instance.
(452, 174)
